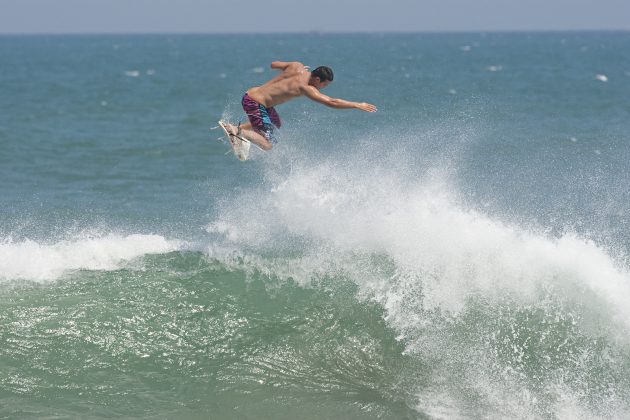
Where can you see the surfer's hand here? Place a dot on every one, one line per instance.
(364, 106)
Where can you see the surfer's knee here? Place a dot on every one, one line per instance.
(264, 142)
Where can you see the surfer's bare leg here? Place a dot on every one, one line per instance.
(257, 138)
(251, 135)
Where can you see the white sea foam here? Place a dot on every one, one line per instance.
(601, 77)
(31, 260)
(132, 73)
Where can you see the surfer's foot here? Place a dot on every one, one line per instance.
(233, 131)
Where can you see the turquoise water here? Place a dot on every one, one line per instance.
(462, 253)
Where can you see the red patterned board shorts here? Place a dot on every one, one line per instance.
(262, 118)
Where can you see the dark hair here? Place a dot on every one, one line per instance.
(324, 73)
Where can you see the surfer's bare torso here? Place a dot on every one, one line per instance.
(291, 83)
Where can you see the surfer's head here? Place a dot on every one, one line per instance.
(321, 77)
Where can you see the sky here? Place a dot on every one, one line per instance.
(230, 16)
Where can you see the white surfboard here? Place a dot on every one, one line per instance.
(240, 145)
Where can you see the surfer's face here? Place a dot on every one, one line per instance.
(316, 81)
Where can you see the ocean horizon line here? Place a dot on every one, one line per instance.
(314, 32)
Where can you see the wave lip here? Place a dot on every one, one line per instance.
(30, 260)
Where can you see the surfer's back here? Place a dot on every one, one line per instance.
(287, 85)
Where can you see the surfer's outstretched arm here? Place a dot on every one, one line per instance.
(280, 65)
(314, 94)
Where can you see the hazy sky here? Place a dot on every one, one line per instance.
(130, 16)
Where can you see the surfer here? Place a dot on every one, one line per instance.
(295, 80)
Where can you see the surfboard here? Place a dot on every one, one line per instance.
(240, 145)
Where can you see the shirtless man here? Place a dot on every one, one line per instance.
(294, 81)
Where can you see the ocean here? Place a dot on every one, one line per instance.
(463, 253)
